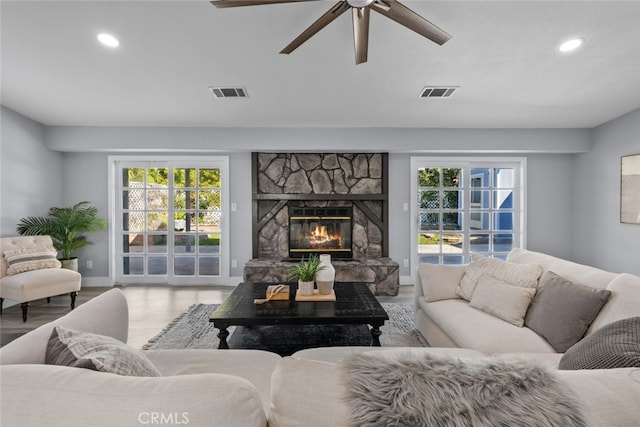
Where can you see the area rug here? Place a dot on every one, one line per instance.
(192, 329)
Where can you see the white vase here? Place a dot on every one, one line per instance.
(326, 276)
(305, 288)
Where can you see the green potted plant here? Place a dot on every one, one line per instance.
(66, 226)
(305, 272)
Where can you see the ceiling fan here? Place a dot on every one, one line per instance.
(360, 10)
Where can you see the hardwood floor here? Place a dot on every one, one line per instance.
(151, 308)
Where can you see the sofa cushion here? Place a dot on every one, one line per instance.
(68, 347)
(307, 393)
(28, 259)
(562, 311)
(623, 303)
(440, 281)
(522, 275)
(609, 396)
(616, 345)
(256, 366)
(470, 328)
(57, 396)
(502, 299)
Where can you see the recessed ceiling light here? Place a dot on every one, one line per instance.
(571, 45)
(108, 40)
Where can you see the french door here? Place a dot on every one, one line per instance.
(170, 221)
(466, 206)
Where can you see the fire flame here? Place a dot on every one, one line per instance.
(320, 235)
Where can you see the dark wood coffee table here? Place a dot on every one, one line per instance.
(355, 304)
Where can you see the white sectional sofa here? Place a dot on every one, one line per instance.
(446, 320)
(233, 387)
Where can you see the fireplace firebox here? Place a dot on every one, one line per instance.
(320, 231)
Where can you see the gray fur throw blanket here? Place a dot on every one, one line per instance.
(431, 390)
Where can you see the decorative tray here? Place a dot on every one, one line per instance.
(317, 296)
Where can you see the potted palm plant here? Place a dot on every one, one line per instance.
(305, 272)
(66, 226)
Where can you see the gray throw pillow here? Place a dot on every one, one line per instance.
(562, 311)
(96, 352)
(616, 345)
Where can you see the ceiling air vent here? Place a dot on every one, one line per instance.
(229, 92)
(438, 91)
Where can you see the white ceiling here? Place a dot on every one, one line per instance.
(503, 56)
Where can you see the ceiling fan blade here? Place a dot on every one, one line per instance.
(361, 33)
(337, 10)
(236, 3)
(407, 17)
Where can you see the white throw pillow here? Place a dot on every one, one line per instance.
(440, 281)
(521, 275)
(502, 299)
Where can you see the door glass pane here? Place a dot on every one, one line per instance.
(503, 221)
(479, 243)
(452, 243)
(452, 221)
(479, 220)
(428, 243)
(429, 221)
(157, 243)
(133, 221)
(429, 177)
(184, 266)
(448, 259)
(208, 266)
(503, 178)
(157, 265)
(133, 265)
(184, 177)
(452, 199)
(451, 177)
(502, 199)
(184, 243)
(502, 242)
(209, 178)
(209, 243)
(429, 199)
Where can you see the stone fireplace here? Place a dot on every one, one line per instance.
(334, 203)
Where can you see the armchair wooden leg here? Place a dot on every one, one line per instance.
(73, 299)
(48, 300)
(1, 304)
(24, 307)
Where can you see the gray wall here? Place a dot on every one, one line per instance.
(561, 165)
(599, 238)
(30, 173)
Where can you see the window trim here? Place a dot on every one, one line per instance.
(420, 162)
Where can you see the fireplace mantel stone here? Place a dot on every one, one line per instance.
(382, 275)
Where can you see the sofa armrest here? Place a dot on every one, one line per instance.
(64, 396)
(106, 314)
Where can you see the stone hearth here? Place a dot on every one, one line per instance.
(382, 275)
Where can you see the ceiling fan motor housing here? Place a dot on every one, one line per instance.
(359, 3)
